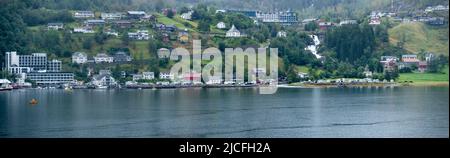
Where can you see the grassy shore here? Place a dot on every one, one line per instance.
(425, 79)
(405, 79)
(303, 85)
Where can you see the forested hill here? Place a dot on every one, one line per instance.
(305, 8)
(266, 5)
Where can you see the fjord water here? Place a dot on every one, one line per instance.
(240, 112)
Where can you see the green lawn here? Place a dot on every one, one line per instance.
(177, 22)
(425, 77)
(139, 50)
(303, 69)
(181, 20)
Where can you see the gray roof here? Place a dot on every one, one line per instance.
(233, 29)
(79, 54)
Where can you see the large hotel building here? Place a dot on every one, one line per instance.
(36, 67)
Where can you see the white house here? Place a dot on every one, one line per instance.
(187, 16)
(144, 76)
(137, 77)
(112, 33)
(139, 35)
(281, 34)
(148, 75)
(163, 53)
(83, 30)
(303, 75)
(348, 22)
(221, 25)
(55, 26)
(5, 85)
(103, 80)
(166, 75)
(83, 14)
(375, 21)
(233, 32)
(103, 58)
(112, 16)
(79, 58)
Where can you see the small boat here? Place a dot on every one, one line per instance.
(33, 101)
(68, 89)
(101, 87)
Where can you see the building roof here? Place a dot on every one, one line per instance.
(79, 54)
(100, 76)
(101, 55)
(84, 12)
(233, 29)
(120, 53)
(56, 23)
(409, 56)
(95, 21)
(3, 81)
(136, 12)
(148, 73)
(112, 14)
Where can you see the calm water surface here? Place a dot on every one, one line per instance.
(329, 112)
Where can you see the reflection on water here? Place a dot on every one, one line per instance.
(329, 112)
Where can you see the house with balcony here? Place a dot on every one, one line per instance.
(122, 57)
(79, 58)
(139, 35)
(103, 80)
(103, 58)
(166, 75)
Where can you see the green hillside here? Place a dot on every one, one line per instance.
(418, 36)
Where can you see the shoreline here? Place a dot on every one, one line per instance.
(294, 85)
(396, 84)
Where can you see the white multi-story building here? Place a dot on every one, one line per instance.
(37, 68)
(54, 66)
(25, 63)
(50, 78)
(103, 58)
(79, 58)
(285, 18)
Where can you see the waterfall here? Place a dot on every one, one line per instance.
(313, 48)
